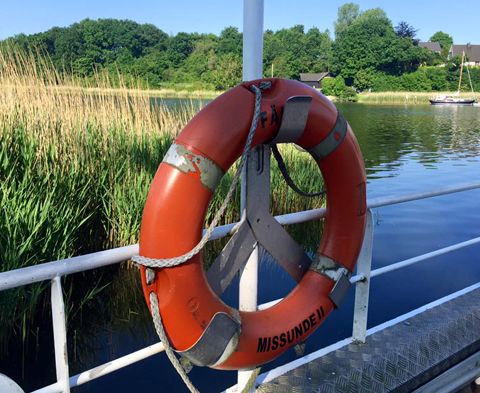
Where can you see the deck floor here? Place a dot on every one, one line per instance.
(399, 358)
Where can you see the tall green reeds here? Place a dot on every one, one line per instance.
(75, 167)
(76, 162)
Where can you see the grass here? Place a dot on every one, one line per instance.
(406, 97)
(76, 162)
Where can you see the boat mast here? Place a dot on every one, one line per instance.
(461, 72)
(469, 78)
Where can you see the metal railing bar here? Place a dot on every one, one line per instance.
(106, 368)
(53, 388)
(315, 214)
(116, 364)
(398, 265)
(420, 258)
(386, 201)
(49, 270)
(353, 280)
(63, 267)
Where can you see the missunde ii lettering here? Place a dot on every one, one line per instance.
(272, 343)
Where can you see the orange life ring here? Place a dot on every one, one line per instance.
(174, 216)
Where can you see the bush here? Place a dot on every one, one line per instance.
(415, 81)
(336, 87)
(364, 79)
(383, 82)
(428, 79)
(329, 86)
(437, 77)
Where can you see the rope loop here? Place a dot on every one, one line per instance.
(176, 261)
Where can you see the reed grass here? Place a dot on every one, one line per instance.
(76, 162)
(406, 97)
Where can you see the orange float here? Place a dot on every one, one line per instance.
(198, 324)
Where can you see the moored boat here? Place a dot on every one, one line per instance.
(451, 100)
(455, 99)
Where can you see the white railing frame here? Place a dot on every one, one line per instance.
(55, 270)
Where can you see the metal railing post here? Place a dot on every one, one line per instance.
(252, 69)
(362, 290)
(60, 335)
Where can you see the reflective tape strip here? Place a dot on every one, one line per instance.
(294, 119)
(340, 275)
(186, 161)
(332, 140)
(218, 341)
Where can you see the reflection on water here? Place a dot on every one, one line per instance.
(406, 149)
(393, 135)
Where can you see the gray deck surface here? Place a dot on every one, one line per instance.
(397, 359)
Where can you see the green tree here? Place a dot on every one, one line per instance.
(445, 41)
(198, 67)
(151, 68)
(228, 71)
(366, 43)
(318, 50)
(230, 41)
(179, 48)
(405, 30)
(346, 15)
(370, 43)
(292, 51)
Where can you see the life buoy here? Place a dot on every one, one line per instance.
(195, 319)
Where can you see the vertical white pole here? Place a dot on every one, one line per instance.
(60, 336)
(252, 39)
(252, 69)
(362, 291)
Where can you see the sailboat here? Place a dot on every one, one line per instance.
(455, 98)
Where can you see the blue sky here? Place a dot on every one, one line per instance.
(458, 18)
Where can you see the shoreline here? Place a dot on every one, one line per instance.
(379, 98)
(406, 97)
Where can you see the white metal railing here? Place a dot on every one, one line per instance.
(55, 270)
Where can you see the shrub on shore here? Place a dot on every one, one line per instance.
(427, 79)
(336, 87)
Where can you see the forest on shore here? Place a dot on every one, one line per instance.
(364, 53)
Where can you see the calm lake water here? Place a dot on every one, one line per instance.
(406, 149)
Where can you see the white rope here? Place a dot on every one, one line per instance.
(470, 79)
(157, 321)
(175, 261)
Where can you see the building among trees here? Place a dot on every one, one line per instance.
(313, 79)
(472, 53)
(433, 46)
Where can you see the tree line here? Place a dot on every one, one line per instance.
(366, 52)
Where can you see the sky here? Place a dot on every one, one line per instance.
(458, 18)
